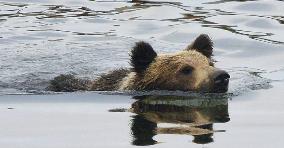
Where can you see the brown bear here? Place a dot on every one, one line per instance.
(191, 69)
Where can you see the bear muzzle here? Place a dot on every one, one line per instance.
(220, 81)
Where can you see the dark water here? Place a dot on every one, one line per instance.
(42, 39)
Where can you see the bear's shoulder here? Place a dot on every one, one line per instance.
(110, 81)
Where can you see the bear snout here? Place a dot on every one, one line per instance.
(220, 81)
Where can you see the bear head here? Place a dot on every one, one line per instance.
(191, 69)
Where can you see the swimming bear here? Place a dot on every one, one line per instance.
(191, 69)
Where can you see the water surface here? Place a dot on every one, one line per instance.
(42, 39)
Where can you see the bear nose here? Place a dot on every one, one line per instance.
(221, 81)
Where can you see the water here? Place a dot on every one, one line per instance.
(42, 39)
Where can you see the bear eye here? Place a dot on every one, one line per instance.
(186, 70)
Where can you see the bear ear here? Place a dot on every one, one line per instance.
(202, 44)
(142, 55)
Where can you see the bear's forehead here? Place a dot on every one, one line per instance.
(186, 57)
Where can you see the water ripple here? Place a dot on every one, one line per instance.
(41, 39)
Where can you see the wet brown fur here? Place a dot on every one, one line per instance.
(109, 81)
(68, 83)
(164, 73)
(106, 82)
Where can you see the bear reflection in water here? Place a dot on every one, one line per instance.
(193, 116)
